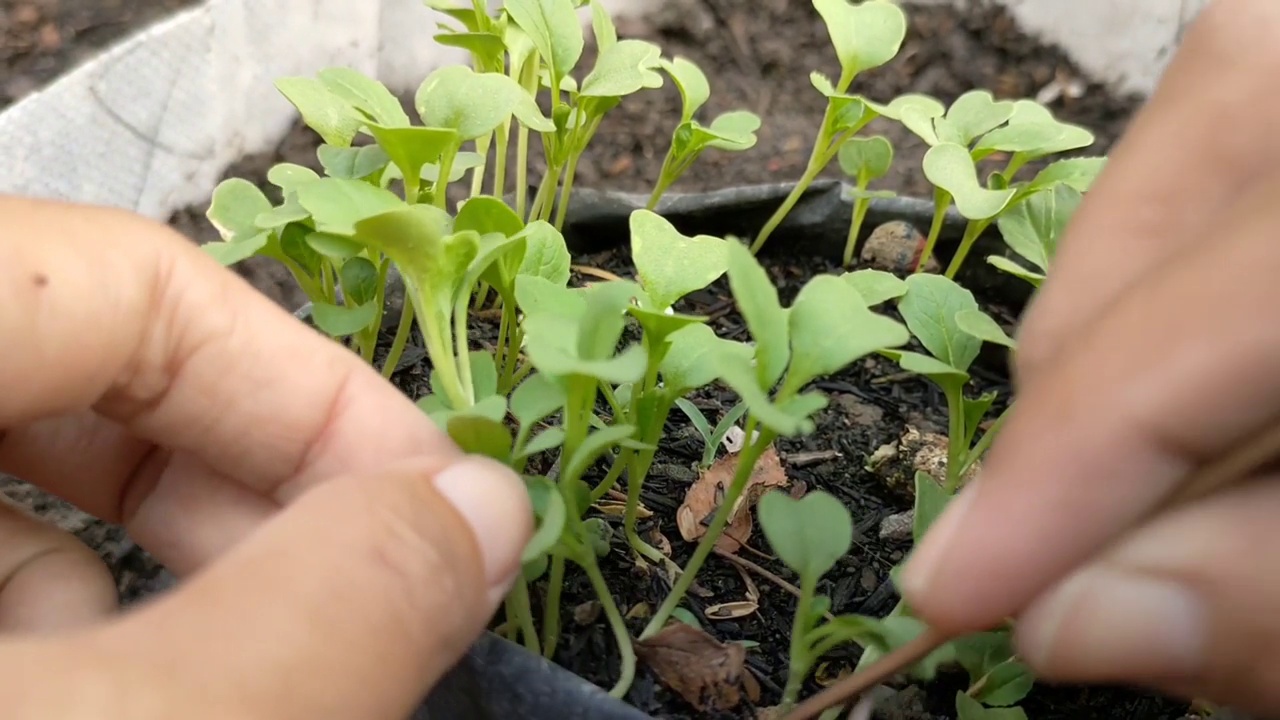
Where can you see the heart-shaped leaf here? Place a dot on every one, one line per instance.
(671, 265)
(1033, 227)
(810, 535)
(824, 342)
(757, 300)
(950, 167)
(340, 321)
(866, 35)
(234, 210)
(288, 176)
(331, 117)
(929, 308)
(456, 97)
(691, 360)
(1077, 173)
(337, 204)
(866, 158)
(411, 148)
(1033, 131)
(553, 27)
(626, 67)
(353, 163)
(733, 131)
(365, 94)
(691, 82)
(360, 280)
(876, 286)
(535, 399)
(546, 255)
(976, 113)
(476, 435)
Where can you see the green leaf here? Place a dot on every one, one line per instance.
(353, 163)
(1033, 132)
(931, 500)
(670, 265)
(549, 509)
(976, 113)
(970, 709)
(824, 342)
(338, 321)
(1006, 265)
(360, 279)
(486, 214)
(548, 439)
(484, 374)
(553, 27)
(410, 148)
(982, 326)
(234, 209)
(810, 535)
(334, 247)
(787, 420)
(546, 254)
(290, 211)
(991, 663)
(1033, 227)
(294, 245)
(692, 358)
(950, 167)
(691, 82)
(866, 35)
(230, 253)
(337, 204)
(596, 444)
(325, 112)
(974, 410)
(876, 286)
(866, 158)
(598, 534)
(696, 418)
(288, 176)
(551, 342)
(880, 636)
(1078, 173)
(477, 435)
(757, 300)
(624, 68)
(456, 97)
(733, 131)
(929, 308)
(536, 295)
(536, 399)
(948, 378)
(487, 47)
(602, 26)
(365, 94)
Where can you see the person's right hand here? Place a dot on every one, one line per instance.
(1153, 348)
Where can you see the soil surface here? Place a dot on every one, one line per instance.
(757, 56)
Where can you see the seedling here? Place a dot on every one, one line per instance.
(864, 160)
(1032, 230)
(712, 438)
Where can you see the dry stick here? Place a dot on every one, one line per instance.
(745, 563)
(1234, 467)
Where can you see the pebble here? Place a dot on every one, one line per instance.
(898, 527)
(859, 412)
(895, 247)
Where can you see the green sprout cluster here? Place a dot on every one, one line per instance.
(587, 377)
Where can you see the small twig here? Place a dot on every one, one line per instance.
(812, 458)
(595, 272)
(747, 564)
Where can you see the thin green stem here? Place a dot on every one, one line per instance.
(616, 623)
(541, 207)
(440, 192)
(801, 661)
(956, 432)
(972, 231)
(522, 169)
(860, 206)
(810, 174)
(551, 611)
(500, 349)
(519, 607)
(665, 178)
(611, 478)
(636, 474)
(746, 462)
(477, 174)
(941, 203)
(403, 328)
(500, 161)
(562, 208)
(980, 447)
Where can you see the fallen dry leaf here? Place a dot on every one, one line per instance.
(619, 509)
(587, 613)
(731, 610)
(639, 611)
(708, 674)
(660, 542)
(707, 492)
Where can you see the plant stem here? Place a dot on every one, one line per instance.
(615, 471)
(956, 431)
(941, 203)
(746, 462)
(562, 208)
(616, 623)
(635, 481)
(403, 329)
(665, 178)
(972, 232)
(546, 190)
(551, 611)
(810, 174)
(477, 174)
(799, 656)
(500, 161)
(463, 347)
(522, 170)
(860, 206)
(980, 448)
(439, 193)
(518, 605)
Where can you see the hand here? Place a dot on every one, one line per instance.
(339, 552)
(1151, 349)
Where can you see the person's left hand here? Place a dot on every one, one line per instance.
(339, 553)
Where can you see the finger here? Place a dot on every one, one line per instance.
(162, 342)
(1177, 371)
(49, 581)
(1185, 605)
(1169, 180)
(348, 604)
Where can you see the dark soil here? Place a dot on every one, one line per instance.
(757, 56)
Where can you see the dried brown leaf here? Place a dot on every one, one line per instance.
(708, 674)
(707, 492)
(731, 610)
(587, 613)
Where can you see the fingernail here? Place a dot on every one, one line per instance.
(925, 560)
(494, 502)
(1109, 623)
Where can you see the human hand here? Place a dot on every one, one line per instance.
(1150, 350)
(339, 552)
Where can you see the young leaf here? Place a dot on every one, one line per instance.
(866, 35)
(477, 435)
(537, 295)
(1078, 173)
(1006, 265)
(338, 321)
(824, 342)
(337, 205)
(598, 534)
(696, 418)
(546, 255)
(969, 709)
(789, 420)
(552, 26)
(733, 131)
(484, 374)
(333, 118)
(486, 214)
(982, 326)
(294, 245)
(360, 279)
(602, 26)
(411, 148)
(876, 286)
(670, 265)
(931, 500)
(365, 94)
(549, 508)
(950, 167)
(594, 446)
(1033, 132)
(235, 207)
(288, 176)
(810, 535)
(993, 669)
(866, 158)
(552, 344)
(354, 163)
(548, 439)
(335, 247)
(536, 399)
(976, 113)
(691, 82)
(757, 299)
(473, 104)
(626, 67)
(692, 358)
(879, 636)
(1032, 227)
(929, 308)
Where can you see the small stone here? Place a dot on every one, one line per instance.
(897, 463)
(674, 472)
(898, 527)
(868, 580)
(587, 612)
(896, 247)
(859, 412)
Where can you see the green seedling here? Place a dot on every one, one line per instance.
(734, 131)
(712, 438)
(945, 318)
(864, 160)
(1032, 229)
(811, 535)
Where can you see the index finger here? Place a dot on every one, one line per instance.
(105, 311)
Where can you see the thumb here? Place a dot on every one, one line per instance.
(350, 604)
